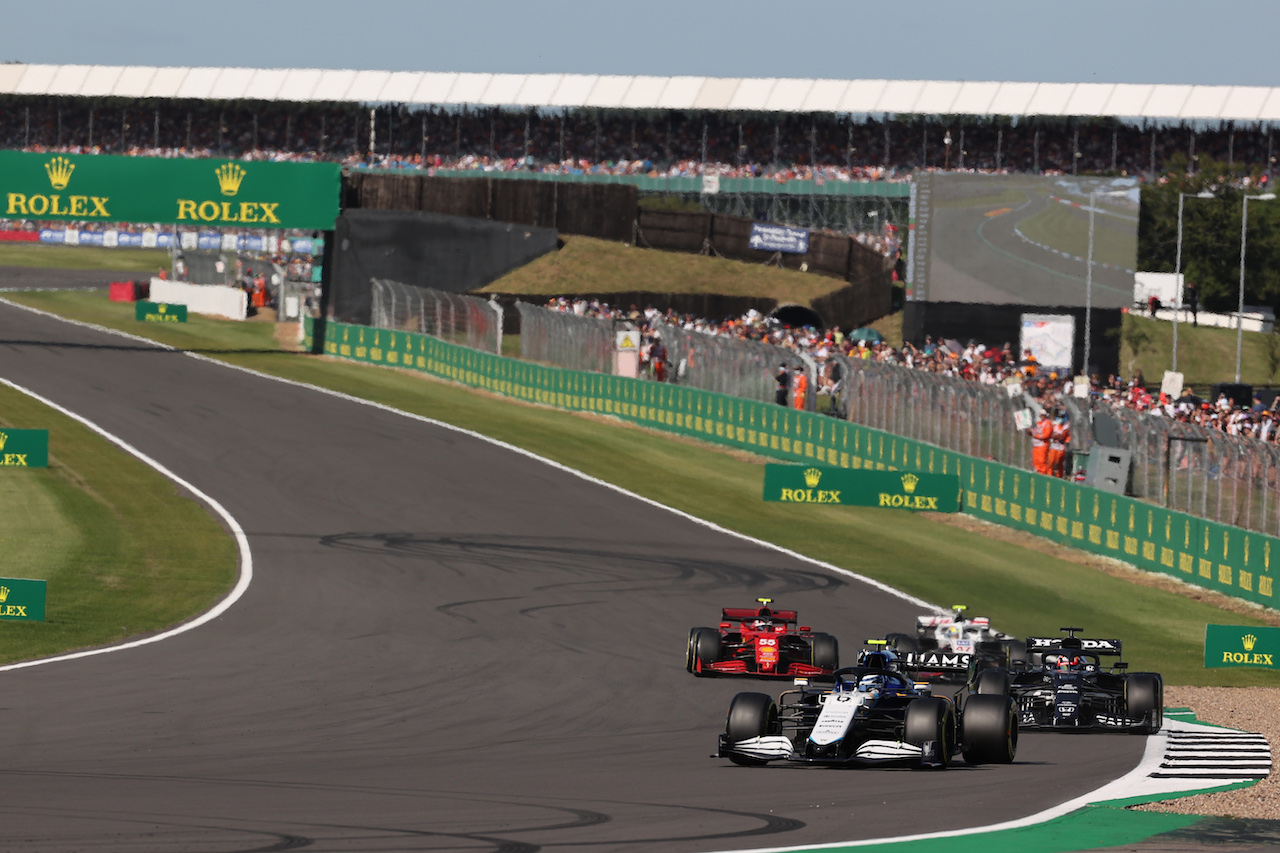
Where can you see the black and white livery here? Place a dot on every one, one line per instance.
(1064, 686)
(866, 715)
(947, 647)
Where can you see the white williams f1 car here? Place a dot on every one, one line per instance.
(866, 715)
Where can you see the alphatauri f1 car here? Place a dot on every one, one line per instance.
(1064, 687)
(760, 642)
(867, 715)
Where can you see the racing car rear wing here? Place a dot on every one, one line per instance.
(746, 614)
(935, 661)
(1097, 647)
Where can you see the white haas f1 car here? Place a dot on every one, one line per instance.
(867, 715)
(947, 647)
(1064, 687)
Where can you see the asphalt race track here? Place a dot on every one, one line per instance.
(446, 646)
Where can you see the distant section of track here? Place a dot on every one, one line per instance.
(446, 646)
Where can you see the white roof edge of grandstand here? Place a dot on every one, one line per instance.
(794, 95)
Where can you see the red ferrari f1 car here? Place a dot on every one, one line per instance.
(761, 642)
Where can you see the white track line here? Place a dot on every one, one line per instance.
(242, 543)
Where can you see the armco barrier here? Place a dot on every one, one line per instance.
(1215, 556)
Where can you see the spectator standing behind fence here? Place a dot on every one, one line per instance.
(1041, 432)
(1059, 439)
(658, 358)
(784, 384)
(799, 389)
(1193, 302)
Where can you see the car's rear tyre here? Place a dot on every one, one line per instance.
(989, 729)
(992, 682)
(825, 652)
(1144, 694)
(930, 719)
(706, 649)
(691, 650)
(751, 715)
(902, 643)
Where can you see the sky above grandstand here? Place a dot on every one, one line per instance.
(1229, 42)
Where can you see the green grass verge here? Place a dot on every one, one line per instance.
(1205, 355)
(82, 257)
(587, 265)
(1023, 591)
(122, 552)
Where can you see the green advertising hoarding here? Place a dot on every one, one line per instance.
(24, 448)
(22, 600)
(160, 312)
(817, 484)
(198, 193)
(1241, 645)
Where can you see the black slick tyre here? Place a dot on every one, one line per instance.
(992, 682)
(902, 643)
(691, 650)
(706, 649)
(825, 652)
(751, 715)
(930, 719)
(1144, 697)
(989, 729)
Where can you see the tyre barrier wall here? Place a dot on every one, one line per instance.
(1214, 556)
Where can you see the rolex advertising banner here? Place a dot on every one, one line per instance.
(22, 599)
(214, 193)
(24, 448)
(1240, 645)
(159, 312)
(891, 489)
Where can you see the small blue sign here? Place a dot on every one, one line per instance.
(779, 238)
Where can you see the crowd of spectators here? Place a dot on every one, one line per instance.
(996, 364)
(782, 147)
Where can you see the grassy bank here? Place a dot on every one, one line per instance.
(1205, 355)
(122, 552)
(587, 265)
(1023, 590)
(82, 257)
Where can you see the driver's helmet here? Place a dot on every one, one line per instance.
(1065, 662)
(871, 684)
(762, 625)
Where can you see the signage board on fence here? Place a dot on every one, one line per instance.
(22, 600)
(160, 312)
(24, 448)
(94, 188)
(779, 238)
(1241, 645)
(816, 484)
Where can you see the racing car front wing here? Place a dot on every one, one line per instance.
(872, 751)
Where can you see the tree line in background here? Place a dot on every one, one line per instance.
(1211, 233)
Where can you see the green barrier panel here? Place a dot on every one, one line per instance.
(218, 193)
(159, 312)
(24, 448)
(890, 489)
(22, 600)
(1214, 556)
(1240, 645)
